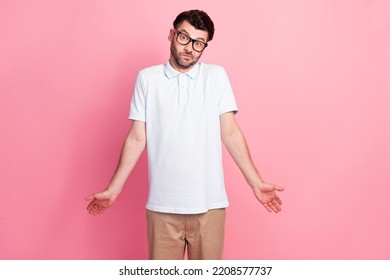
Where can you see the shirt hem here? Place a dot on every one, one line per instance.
(186, 211)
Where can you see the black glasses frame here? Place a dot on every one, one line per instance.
(191, 40)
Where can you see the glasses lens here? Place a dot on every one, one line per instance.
(198, 46)
(183, 39)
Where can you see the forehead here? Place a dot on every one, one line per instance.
(192, 31)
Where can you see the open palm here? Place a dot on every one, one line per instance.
(100, 202)
(265, 194)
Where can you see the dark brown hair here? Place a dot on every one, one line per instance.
(197, 18)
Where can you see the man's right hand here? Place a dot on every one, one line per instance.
(99, 202)
(132, 149)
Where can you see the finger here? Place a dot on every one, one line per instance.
(267, 207)
(274, 209)
(95, 210)
(90, 197)
(89, 207)
(101, 210)
(278, 188)
(277, 206)
(274, 206)
(278, 200)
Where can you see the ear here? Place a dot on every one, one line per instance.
(170, 36)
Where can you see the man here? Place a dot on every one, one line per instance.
(182, 110)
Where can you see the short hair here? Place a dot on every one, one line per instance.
(197, 18)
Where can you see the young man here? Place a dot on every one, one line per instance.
(182, 110)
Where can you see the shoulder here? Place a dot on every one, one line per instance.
(214, 72)
(212, 68)
(147, 75)
(152, 70)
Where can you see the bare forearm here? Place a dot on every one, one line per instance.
(236, 144)
(131, 151)
(238, 149)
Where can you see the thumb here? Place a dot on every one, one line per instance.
(278, 188)
(99, 195)
(102, 195)
(90, 197)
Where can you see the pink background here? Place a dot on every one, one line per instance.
(312, 81)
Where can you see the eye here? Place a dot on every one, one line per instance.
(183, 37)
(198, 44)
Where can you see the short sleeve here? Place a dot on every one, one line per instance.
(226, 100)
(138, 101)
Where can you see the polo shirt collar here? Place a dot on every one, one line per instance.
(171, 73)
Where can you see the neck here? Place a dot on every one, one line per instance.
(179, 68)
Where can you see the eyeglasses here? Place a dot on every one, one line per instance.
(184, 39)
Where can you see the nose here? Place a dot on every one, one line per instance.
(188, 48)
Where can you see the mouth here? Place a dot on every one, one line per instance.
(186, 56)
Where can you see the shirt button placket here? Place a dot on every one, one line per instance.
(183, 88)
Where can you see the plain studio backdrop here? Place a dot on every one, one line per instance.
(312, 82)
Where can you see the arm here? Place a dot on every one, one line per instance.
(132, 149)
(235, 143)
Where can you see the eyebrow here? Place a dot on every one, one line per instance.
(198, 39)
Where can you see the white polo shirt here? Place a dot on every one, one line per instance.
(181, 111)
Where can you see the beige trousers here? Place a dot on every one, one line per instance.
(169, 235)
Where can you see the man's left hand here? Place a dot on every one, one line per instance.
(265, 193)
